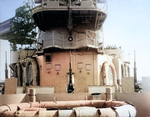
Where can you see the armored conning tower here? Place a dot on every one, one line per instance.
(70, 56)
(69, 41)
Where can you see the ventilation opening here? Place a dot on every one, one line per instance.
(48, 58)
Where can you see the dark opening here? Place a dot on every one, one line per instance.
(48, 58)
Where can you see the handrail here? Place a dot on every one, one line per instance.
(100, 4)
(89, 39)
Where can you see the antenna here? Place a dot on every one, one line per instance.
(135, 74)
(6, 70)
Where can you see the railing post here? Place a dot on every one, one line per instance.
(53, 38)
(96, 40)
(86, 38)
(63, 41)
(32, 95)
(109, 94)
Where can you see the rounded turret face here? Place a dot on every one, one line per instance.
(63, 13)
(93, 19)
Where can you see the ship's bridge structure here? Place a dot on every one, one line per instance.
(70, 51)
(71, 74)
(70, 24)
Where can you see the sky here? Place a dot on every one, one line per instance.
(127, 25)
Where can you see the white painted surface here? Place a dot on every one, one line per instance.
(13, 56)
(100, 89)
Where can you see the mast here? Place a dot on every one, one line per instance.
(135, 74)
(6, 70)
(70, 25)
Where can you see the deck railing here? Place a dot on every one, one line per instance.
(99, 4)
(87, 39)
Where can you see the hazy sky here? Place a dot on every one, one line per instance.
(127, 25)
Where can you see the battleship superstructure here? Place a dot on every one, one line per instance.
(70, 52)
(70, 39)
(71, 61)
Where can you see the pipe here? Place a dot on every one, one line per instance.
(68, 104)
(63, 104)
(73, 104)
(39, 108)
